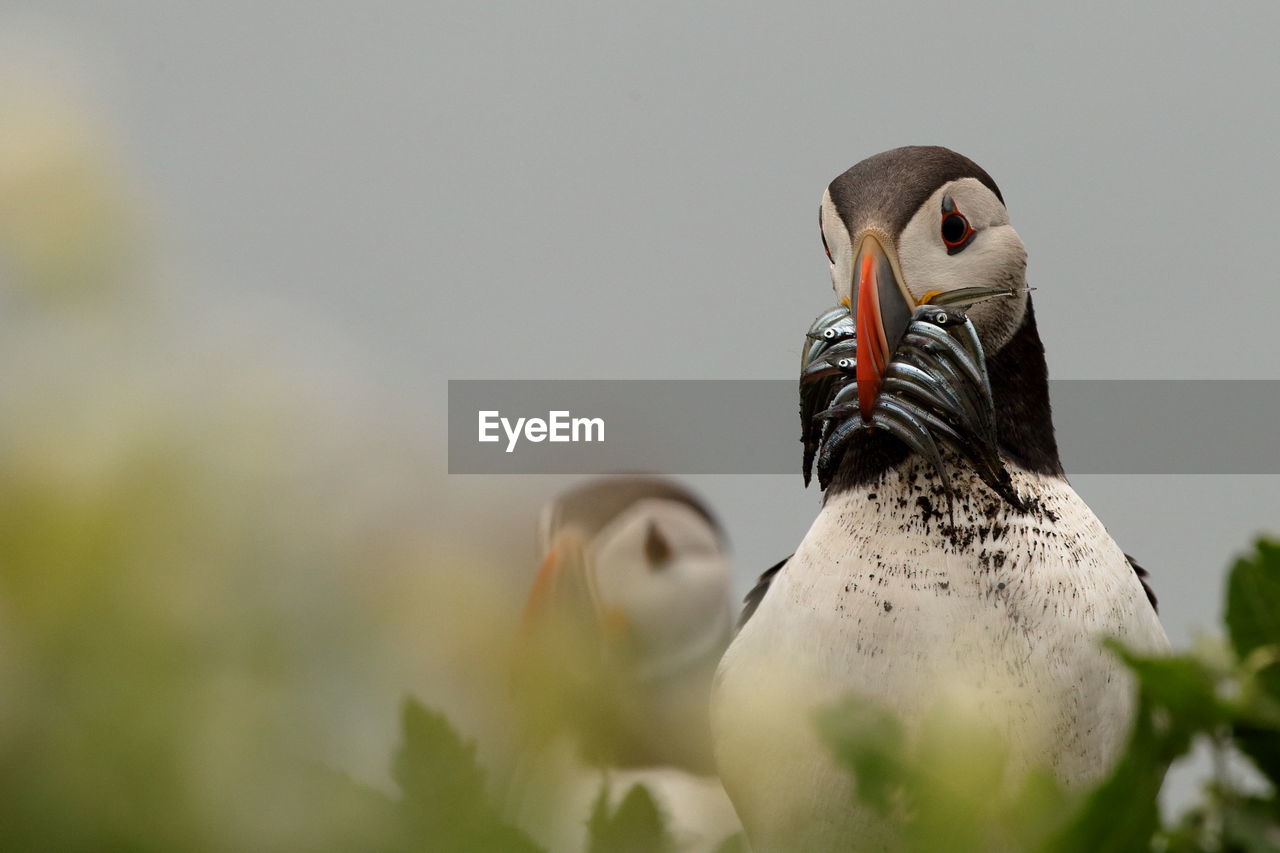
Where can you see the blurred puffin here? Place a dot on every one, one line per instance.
(627, 619)
(950, 552)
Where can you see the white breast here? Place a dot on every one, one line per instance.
(887, 599)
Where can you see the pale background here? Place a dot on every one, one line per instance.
(394, 194)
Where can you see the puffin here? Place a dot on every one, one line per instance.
(951, 564)
(627, 618)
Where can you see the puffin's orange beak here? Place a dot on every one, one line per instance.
(882, 311)
(562, 599)
(560, 588)
(543, 590)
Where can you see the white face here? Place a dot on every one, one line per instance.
(994, 257)
(661, 568)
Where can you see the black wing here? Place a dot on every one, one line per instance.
(1142, 579)
(753, 599)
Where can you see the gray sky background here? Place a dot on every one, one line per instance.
(601, 190)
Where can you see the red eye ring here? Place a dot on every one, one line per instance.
(955, 229)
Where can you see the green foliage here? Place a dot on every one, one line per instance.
(1253, 600)
(636, 826)
(948, 788)
(444, 805)
(871, 743)
(436, 770)
(1253, 623)
(1121, 814)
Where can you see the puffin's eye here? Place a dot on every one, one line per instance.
(956, 231)
(954, 228)
(657, 550)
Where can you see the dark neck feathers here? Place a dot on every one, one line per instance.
(1020, 388)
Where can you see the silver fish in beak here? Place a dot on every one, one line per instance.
(917, 372)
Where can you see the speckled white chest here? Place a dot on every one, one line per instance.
(886, 599)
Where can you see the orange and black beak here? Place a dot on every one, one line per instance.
(563, 602)
(882, 309)
(561, 590)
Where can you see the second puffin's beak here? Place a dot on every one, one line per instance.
(561, 591)
(882, 310)
(562, 599)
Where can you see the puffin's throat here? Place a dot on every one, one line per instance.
(934, 392)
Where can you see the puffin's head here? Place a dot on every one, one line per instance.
(636, 568)
(915, 226)
(930, 279)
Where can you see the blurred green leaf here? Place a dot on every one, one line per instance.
(952, 786)
(1183, 685)
(1039, 811)
(1225, 821)
(1253, 622)
(1262, 745)
(636, 826)
(1121, 814)
(1249, 825)
(1253, 599)
(870, 742)
(435, 769)
(446, 806)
